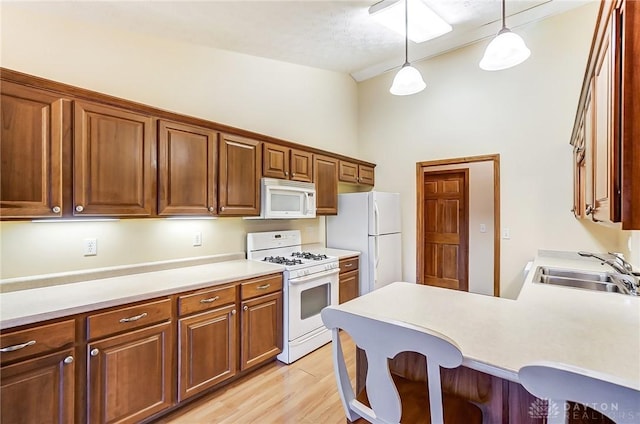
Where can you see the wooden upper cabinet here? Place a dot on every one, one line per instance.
(605, 160)
(240, 163)
(187, 167)
(114, 161)
(286, 163)
(33, 125)
(325, 171)
(350, 172)
(609, 112)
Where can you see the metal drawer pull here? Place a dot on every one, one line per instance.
(348, 265)
(210, 300)
(68, 360)
(136, 318)
(17, 347)
(264, 286)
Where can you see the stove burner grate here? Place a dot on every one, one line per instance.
(309, 255)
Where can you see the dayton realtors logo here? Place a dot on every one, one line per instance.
(543, 408)
(547, 408)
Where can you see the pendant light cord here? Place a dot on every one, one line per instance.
(406, 33)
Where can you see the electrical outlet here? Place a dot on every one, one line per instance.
(90, 247)
(483, 228)
(506, 233)
(197, 239)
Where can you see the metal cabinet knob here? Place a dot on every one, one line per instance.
(79, 208)
(211, 208)
(68, 360)
(286, 173)
(245, 308)
(94, 352)
(56, 209)
(293, 174)
(222, 208)
(589, 210)
(233, 312)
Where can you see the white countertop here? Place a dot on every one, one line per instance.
(596, 331)
(338, 253)
(39, 304)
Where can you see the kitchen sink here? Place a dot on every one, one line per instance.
(598, 281)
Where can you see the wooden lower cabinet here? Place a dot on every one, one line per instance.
(39, 390)
(207, 350)
(262, 334)
(349, 279)
(129, 376)
(500, 400)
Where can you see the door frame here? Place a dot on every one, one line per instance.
(420, 171)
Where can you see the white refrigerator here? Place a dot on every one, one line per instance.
(369, 223)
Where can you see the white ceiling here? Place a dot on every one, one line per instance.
(333, 35)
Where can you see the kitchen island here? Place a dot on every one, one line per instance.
(596, 331)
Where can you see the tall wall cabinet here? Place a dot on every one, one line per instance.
(606, 134)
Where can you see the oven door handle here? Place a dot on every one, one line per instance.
(299, 280)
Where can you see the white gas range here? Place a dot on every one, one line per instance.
(310, 284)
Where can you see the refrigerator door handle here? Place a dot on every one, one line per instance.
(376, 213)
(377, 261)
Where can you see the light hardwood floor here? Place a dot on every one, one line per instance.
(304, 392)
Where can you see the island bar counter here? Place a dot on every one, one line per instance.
(595, 331)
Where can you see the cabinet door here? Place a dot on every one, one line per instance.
(301, 166)
(207, 350)
(275, 161)
(114, 161)
(348, 286)
(366, 175)
(187, 181)
(261, 324)
(348, 172)
(33, 124)
(605, 170)
(129, 376)
(39, 390)
(325, 171)
(239, 176)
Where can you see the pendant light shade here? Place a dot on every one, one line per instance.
(506, 50)
(408, 79)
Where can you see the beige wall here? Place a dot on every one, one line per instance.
(51, 247)
(480, 212)
(525, 114)
(247, 92)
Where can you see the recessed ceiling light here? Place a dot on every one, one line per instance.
(424, 24)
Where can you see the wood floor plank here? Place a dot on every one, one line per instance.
(304, 392)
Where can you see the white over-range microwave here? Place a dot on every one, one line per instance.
(284, 199)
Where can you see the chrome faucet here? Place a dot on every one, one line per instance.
(614, 261)
(630, 280)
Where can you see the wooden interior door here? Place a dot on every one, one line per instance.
(446, 229)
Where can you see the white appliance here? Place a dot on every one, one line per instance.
(284, 199)
(310, 284)
(370, 223)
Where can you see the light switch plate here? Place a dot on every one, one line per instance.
(197, 239)
(506, 233)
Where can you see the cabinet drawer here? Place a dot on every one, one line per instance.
(206, 299)
(260, 286)
(349, 264)
(40, 339)
(128, 318)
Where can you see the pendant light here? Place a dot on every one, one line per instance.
(408, 79)
(506, 50)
